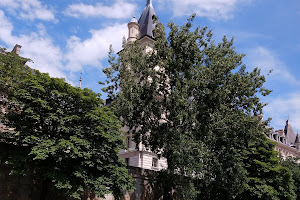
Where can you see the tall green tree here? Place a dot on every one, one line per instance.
(193, 102)
(61, 133)
(293, 165)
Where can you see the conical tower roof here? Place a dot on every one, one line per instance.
(146, 20)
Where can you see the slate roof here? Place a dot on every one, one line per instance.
(289, 133)
(146, 21)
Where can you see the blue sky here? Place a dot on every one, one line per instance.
(64, 37)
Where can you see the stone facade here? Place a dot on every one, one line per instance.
(138, 155)
(287, 142)
(142, 163)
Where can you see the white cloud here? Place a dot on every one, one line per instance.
(213, 9)
(28, 9)
(267, 60)
(5, 26)
(37, 46)
(282, 108)
(9, 4)
(120, 9)
(92, 50)
(49, 58)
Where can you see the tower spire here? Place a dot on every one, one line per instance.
(146, 21)
(149, 2)
(80, 80)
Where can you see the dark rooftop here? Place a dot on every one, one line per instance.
(146, 21)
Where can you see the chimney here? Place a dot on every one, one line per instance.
(17, 49)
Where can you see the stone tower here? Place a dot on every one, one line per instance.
(141, 30)
(133, 30)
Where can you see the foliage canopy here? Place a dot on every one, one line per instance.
(61, 133)
(193, 102)
(293, 165)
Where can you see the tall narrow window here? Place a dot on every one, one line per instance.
(154, 162)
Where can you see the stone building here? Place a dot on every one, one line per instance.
(142, 30)
(141, 162)
(137, 157)
(16, 49)
(287, 142)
